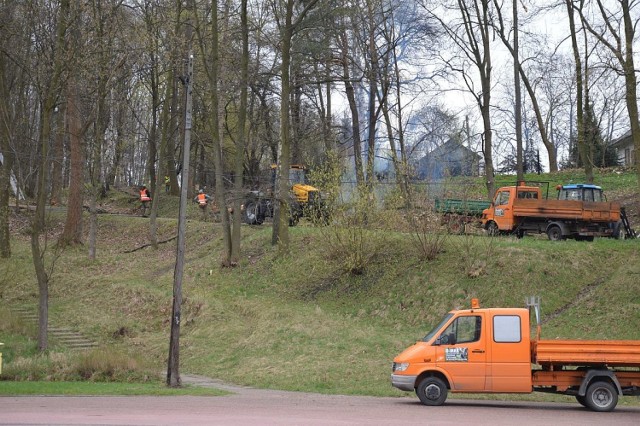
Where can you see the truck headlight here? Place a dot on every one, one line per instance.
(400, 366)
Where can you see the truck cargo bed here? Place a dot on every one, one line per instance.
(613, 353)
(564, 209)
(462, 207)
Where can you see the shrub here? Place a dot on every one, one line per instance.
(99, 365)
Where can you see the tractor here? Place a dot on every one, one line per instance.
(303, 199)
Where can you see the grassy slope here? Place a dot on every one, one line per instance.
(299, 322)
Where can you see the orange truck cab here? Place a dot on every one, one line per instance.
(522, 209)
(489, 350)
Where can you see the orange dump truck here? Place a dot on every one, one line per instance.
(490, 351)
(521, 209)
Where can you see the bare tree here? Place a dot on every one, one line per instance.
(50, 89)
(522, 74)
(471, 36)
(346, 60)
(616, 31)
(240, 141)
(580, 139)
(72, 232)
(211, 53)
(104, 16)
(406, 32)
(6, 135)
(289, 23)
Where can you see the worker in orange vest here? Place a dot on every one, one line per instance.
(202, 199)
(145, 199)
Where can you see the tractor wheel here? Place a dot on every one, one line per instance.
(252, 213)
(294, 219)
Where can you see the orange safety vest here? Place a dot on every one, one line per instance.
(144, 196)
(202, 199)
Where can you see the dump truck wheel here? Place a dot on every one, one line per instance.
(492, 229)
(619, 232)
(432, 391)
(554, 233)
(601, 396)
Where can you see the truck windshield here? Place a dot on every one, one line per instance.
(437, 328)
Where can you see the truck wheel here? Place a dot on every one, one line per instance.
(492, 229)
(252, 214)
(456, 226)
(432, 391)
(619, 232)
(601, 396)
(554, 233)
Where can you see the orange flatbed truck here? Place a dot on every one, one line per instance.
(521, 209)
(489, 350)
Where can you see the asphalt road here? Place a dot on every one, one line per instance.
(266, 407)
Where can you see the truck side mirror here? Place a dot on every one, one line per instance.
(437, 342)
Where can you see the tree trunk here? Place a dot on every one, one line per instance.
(485, 69)
(544, 135)
(72, 233)
(353, 107)
(213, 73)
(57, 157)
(172, 134)
(373, 92)
(6, 163)
(631, 83)
(280, 234)
(96, 168)
(240, 142)
(517, 93)
(580, 139)
(166, 134)
(38, 225)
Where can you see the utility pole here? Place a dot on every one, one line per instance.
(173, 368)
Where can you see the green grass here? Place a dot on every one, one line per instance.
(301, 321)
(90, 388)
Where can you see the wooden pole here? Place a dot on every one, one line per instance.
(173, 368)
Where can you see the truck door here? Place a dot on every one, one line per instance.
(503, 214)
(510, 358)
(462, 352)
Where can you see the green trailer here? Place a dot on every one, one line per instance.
(455, 213)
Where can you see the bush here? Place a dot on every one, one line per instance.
(353, 236)
(99, 365)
